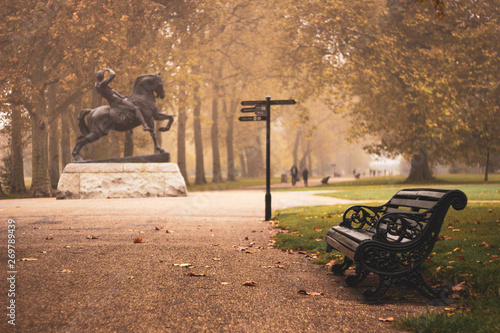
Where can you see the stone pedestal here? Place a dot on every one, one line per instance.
(120, 180)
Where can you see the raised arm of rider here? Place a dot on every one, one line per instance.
(111, 76)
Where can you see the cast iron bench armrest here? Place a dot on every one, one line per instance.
(399, 227)
(356, 217)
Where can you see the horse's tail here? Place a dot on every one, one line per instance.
(81, 121)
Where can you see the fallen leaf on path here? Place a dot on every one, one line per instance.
(158, 228)
(28, 259)
(169, 231)
(183, 265)
(92, 237)
(49, 238)
(65, 271)
(250, 283)
(388, 319)
(310, 293)
(216, 259)
(196, 274)
(138, 240)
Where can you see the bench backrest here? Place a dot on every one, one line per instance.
(434, 203)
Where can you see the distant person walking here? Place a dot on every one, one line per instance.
(294, 171)
(305, 174)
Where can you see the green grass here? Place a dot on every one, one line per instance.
(240, 183)
(396, 182)
(468, 251)
(370, 192)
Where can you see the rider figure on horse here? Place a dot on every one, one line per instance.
(117, 101)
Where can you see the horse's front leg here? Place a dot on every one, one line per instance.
(159, 149)
(163, 116)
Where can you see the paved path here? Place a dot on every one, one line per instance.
(111, 284)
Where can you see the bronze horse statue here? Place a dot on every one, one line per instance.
(104, 118)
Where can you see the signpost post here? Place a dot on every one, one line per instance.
(262, 111)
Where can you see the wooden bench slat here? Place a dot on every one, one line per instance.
(425, 193)
(340, 247)
(354, 233)
(350, 243)
(398, 210)
(413, 203)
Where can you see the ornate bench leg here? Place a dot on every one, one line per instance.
(341, 268)
(371, 296)
(360, 275)
(416, 280)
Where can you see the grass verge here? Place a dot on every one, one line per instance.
(240, 183)
(467, 251)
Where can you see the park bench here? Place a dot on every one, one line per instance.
(392, 240)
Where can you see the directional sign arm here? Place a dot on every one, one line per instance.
(276, 102)
(253, 118)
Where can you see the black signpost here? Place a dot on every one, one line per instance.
(262, 111)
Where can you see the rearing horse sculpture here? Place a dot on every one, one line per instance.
(104, 118)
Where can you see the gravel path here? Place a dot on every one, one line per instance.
(186, 275)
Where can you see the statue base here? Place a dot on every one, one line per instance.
(153, 158)
(107, 180)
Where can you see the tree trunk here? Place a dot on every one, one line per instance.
(243, 165)
(40, 183)
(216, 169)
(17, 184)
(295, 151)
(259, 158)
(309, 159)
(231, 172)
(486, 171)
(128, 145)
(420, 171)
(255, 160)
(181, 137)
(65, 141)
(53, 138)
(250, 158)
(198, 142)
